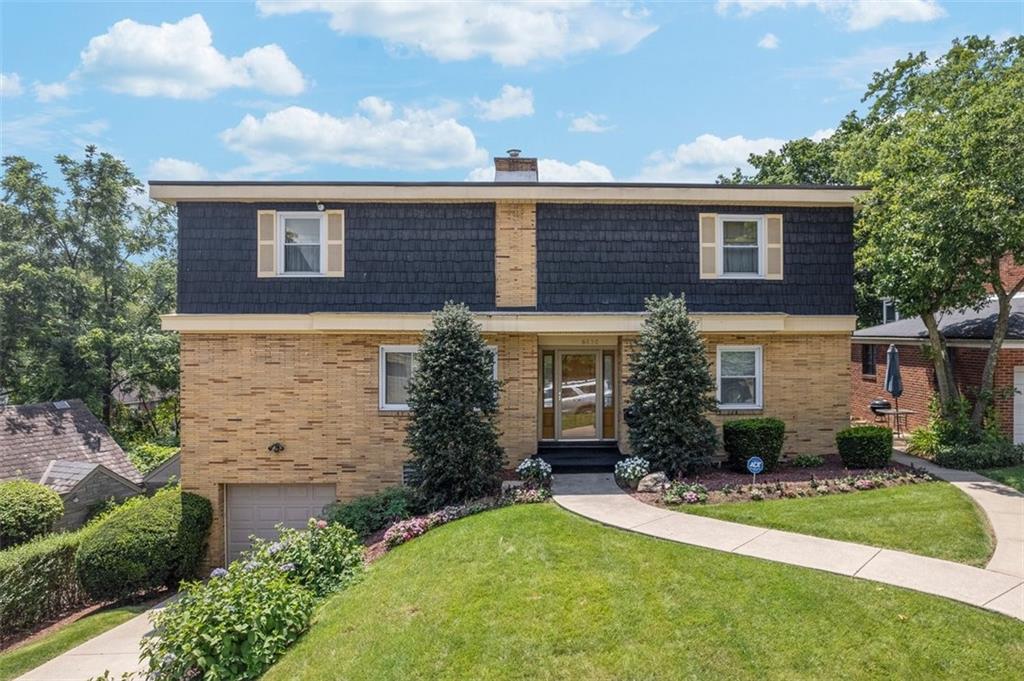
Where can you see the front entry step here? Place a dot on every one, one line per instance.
(580, 457)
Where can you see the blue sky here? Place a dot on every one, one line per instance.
(418, 91)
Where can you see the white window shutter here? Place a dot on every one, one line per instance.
(266, 248)
(708, 228)
(335, 243)
(773, 247)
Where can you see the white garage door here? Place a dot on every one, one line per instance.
(258, 509)
(1018, 405)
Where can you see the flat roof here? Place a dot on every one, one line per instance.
(172, 191)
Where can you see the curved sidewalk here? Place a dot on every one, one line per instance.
(598, 497)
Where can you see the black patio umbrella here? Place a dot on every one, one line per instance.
(893, 380)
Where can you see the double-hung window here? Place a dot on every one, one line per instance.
(741, 242)
(397, 366)
(739, 369)
(868, 365)
(301, 249)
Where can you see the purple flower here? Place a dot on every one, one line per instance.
(287, 567)
(275, 547)
(250, 565)
(218, 572)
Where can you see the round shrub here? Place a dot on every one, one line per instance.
(865, 446)
(27, 510)
(372, 513)
(144, 545)
(744, 438)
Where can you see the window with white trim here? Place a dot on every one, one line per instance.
(741, 245)
(397, 366)
(300, 241)
(739, 376)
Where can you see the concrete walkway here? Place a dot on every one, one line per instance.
(1003, 505)
(116, 651)
(598, 497)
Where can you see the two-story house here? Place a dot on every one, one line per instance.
(300, 305)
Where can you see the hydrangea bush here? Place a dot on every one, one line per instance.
(535, 472)
(631, 470)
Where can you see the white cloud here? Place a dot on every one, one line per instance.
(769, 41)
(551, 170)
(165, 168)
(511, 102)
(509, 33)
(853, 72)
(857, 15)
(10, 85)
(294, 138)
(93, 128)
(180, 61)
(47, 92)
(589, 122)
(703, 159)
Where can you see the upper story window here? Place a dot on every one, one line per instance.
(301, 247)
(739, 376)
(742, 245)
(890, 313)
(397, 366)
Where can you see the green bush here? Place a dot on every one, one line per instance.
(865, 446)
(744, 438)
(232, 627)
(375, 512)
(38, 581)
(322, 558)
(808, 461)
(27, 510)
(141, 546)
(990, 453)
(146, 456)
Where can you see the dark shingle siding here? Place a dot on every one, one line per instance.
(598, 257)
(398, 257)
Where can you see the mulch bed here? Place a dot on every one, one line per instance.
(793, 478)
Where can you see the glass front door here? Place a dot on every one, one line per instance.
(577, 406)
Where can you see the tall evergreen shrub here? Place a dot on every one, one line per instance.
(672, 390)
(453, 396)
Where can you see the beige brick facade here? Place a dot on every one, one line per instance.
(515, 254)
(317, 394)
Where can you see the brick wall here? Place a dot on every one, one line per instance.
(806, 384)
(317, 394)
(515, 255)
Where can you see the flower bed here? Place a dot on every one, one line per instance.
(788, 482)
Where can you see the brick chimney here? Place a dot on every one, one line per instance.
(515, 168)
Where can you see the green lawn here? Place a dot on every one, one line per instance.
(1012, 476)
(16, 662)
(534, 592)
(931, 519)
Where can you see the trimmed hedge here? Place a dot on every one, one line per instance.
(375, 512)
(994, 453)
(38, 581)
(27, 510)
(865, 446)
(142, 546)
(744, 438)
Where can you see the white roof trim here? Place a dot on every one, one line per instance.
(487, 192)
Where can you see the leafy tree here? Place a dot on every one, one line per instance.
(671, 390)
(86, 269)
(453, 396)
(942, 147)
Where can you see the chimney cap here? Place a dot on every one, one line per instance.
(514, 153)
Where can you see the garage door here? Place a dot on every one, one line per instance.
(255, 510)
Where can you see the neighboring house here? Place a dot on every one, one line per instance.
(63, 446)
(968, 335)
(300, 305)
(169, 470)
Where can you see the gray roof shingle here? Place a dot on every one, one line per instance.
(33, 435)
(956, 324)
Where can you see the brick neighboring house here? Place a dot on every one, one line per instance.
(63, 446)
(300, 305)
(968, 334)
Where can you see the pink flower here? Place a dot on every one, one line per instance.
(321, 524)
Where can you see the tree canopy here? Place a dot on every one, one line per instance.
(86, 270)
